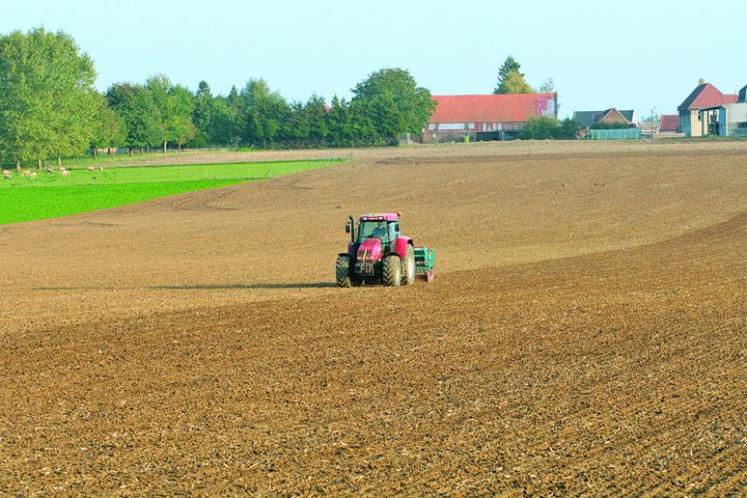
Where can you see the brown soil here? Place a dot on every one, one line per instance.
(586, 333)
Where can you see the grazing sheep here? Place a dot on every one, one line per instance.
(64, 172)
(26, 173)
(91, 168)
(7, 174)
(101, 168)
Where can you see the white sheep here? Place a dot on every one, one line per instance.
(7, 174)
(64, 172)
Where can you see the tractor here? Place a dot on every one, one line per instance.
(379, 253)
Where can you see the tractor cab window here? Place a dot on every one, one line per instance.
(377, 229)
(393, 229)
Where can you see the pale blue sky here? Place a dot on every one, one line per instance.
(601, 54)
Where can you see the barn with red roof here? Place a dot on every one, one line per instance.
(486, 117)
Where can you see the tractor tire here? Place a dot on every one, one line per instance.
(342, 272)
(392, 271)
(408, 267)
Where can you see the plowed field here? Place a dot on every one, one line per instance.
(586, 333)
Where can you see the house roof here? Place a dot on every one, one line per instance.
(629, 114)
(586, 119)
(705, 95)
(669, 122)
(505, 108)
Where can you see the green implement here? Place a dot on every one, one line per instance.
(425, 261)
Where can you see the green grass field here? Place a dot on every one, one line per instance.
(52, 195)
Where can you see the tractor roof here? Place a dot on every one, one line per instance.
(380, 217)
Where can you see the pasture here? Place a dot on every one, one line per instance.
(52, 195)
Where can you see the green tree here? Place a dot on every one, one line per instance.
(515, 83)
(134, 106)
(46, 91)
(511, 79)
(225, 124)
(568, 129)
(549, 128)
(264, 114)
(109, 130)
(175, 104)
(542, 128)
(216, 119)
(76, 124)
(180, 127)
(338, 123)
(295, 129)
(388, 104)
(315, 111)
(237, 106)
(202, 117)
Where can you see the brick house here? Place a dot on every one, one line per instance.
(697, 111)
(486, 117)
(728, 119)
(587, 119)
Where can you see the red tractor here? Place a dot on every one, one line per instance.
(379, 253)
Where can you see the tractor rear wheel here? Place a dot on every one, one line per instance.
(342, 271)
(408, 269)
(392, 270)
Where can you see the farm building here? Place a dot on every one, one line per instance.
(588, 119)
(669, 124)
(486, 117)
(697, 112)
(729, 119)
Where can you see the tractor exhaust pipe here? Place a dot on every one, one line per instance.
(351, 228)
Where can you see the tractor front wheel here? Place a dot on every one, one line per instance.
(342, 271)
(392, 271)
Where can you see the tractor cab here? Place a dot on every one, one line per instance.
(382, 227)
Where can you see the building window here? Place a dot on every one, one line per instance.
(451, 126)
(742, 125)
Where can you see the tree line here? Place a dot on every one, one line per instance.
(50, 109)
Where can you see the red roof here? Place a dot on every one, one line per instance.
(511, 108)
(704, 96)
(670, 122)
